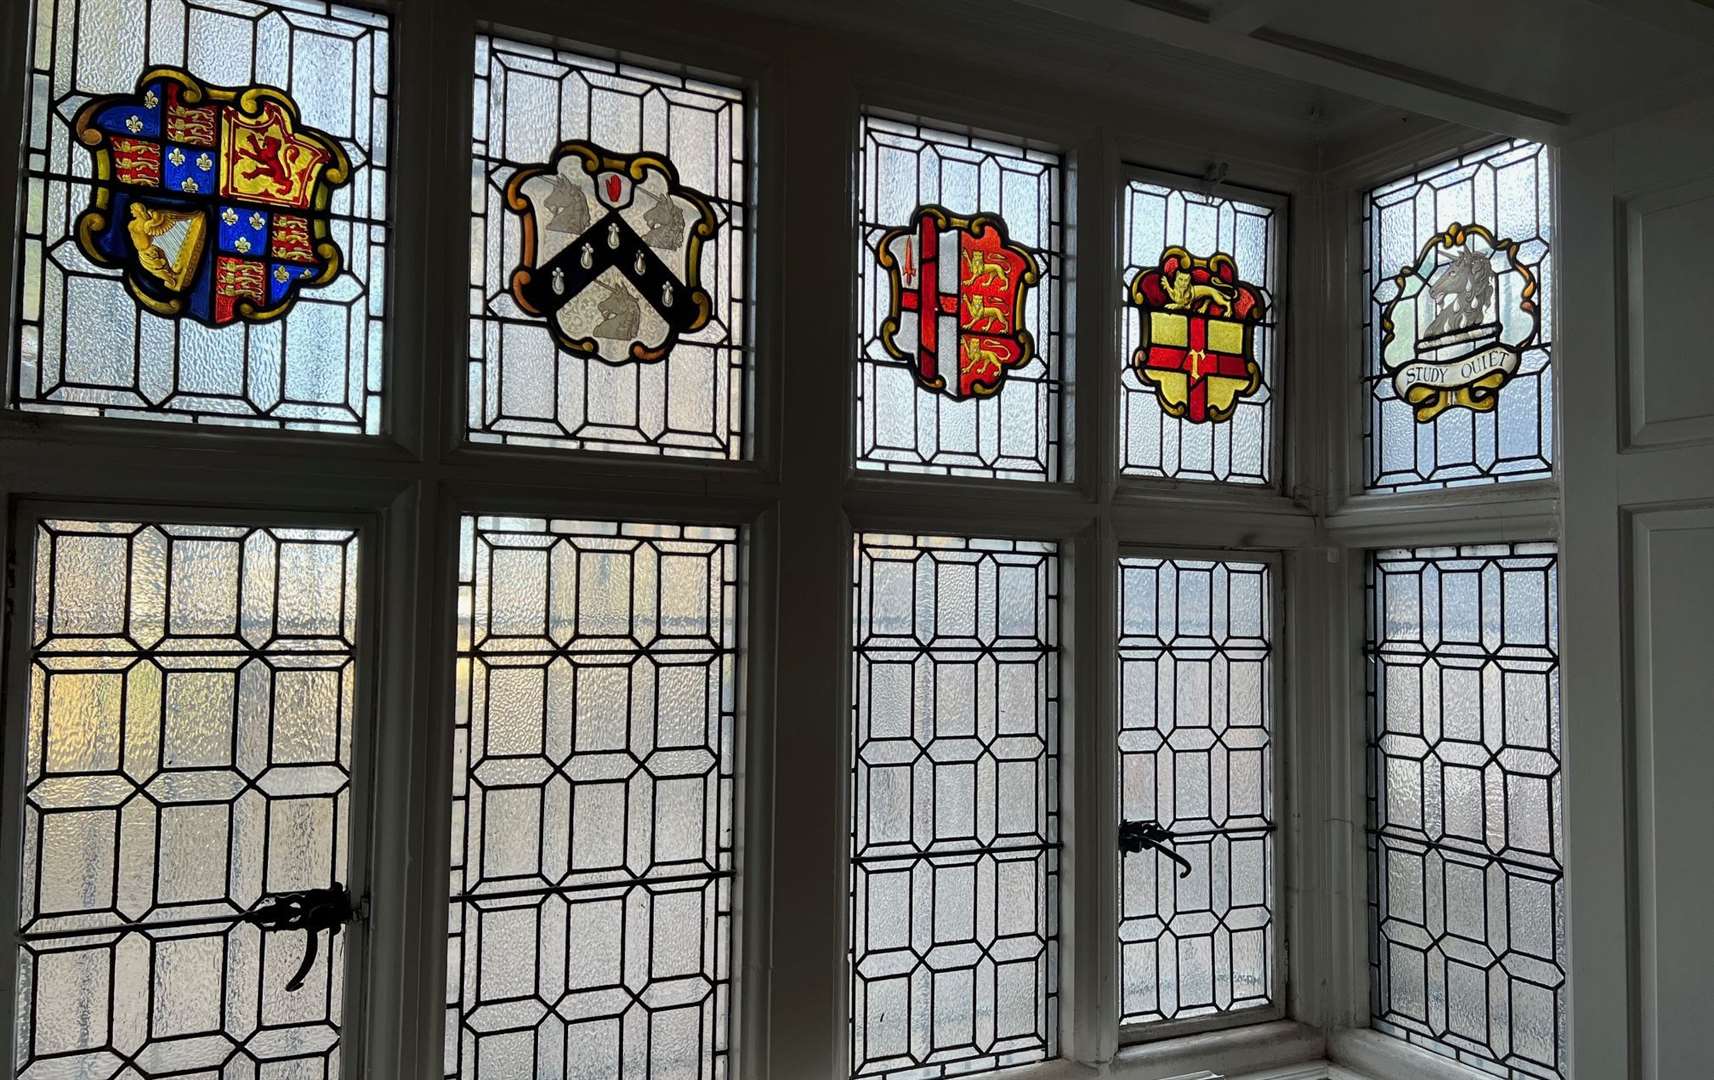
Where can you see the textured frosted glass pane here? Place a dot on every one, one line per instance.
(188, 752)
(85, 344)
(1466, 882)
(1010, 430)
(533, 379)
(593, 779)
(1152, 441)
(1506, 189)
(1196, 755)
(955, 812)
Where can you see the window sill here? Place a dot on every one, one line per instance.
(1369, 1055)
(1278, 1050)
(1066, 1070)
(1260, 1049)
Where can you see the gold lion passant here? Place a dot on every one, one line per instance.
(980, 268)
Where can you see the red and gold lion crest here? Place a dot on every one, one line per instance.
(1199, 324)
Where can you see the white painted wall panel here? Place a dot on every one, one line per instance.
(1673, 729)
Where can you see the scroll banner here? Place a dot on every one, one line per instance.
(1456, 374)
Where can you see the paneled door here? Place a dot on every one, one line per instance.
(1637, 400)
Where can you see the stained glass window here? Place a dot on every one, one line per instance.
(1196, 756)
(609, 255)
(1466, 864)
(1459, 329)
(955, 805)
(187, 755)
(203, 232)
(1202, 308)
(593, 783)
(959, 303)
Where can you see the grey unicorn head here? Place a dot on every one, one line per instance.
(1462, 293)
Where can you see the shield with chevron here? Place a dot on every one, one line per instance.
(612, 249)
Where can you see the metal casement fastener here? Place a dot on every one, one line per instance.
(309, 910)
(1135, 836)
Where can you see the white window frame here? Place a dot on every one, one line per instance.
(800, 501)
(1359, 522)
(1158, 1030)
(1281, 308)
(372, 870)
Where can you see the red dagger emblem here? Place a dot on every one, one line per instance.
(910, 263)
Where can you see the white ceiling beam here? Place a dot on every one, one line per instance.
(1686, 18)
(1319, 64)
(1243, 16)
(1692, 83)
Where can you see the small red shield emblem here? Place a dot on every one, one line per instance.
(958, 291)
(613, 189)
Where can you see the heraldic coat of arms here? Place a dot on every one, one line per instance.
(1455, 324)
(612, 251)
(958, 287)
(1199, 331)
(214, 200)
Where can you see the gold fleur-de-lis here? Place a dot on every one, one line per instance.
(133, 123)
(189, 184)
(176, 157)
(204, 162)
(150, 100)
(257, 220)
(282, 275)
(229, 215)
(242, 244)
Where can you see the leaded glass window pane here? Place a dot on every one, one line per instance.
(1196, 755)
(955, 805)
(609, 255)
(203, 232)
(959, 303)
(1458, 331)
(593, 776)
(1466, 858)
(187, 754)
(1201, 311)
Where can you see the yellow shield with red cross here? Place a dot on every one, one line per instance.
(1199, 326)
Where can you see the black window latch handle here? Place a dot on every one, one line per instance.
(1136, 836)
(309, 910)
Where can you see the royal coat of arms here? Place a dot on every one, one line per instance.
(958, 291)
(1455, 324)
(1199, 332)
(612, 251)
(213, 200)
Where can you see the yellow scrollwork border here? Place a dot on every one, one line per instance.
(1427, 403)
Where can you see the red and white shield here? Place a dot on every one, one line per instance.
(959, 288)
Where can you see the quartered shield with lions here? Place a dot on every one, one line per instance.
(213, 200)
(612, 250)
